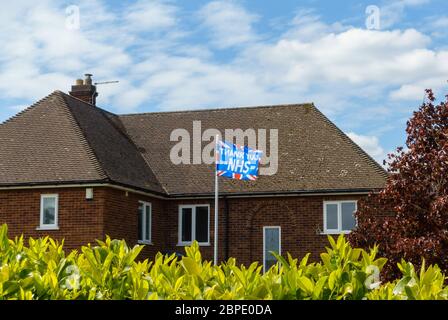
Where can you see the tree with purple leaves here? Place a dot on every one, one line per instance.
(408, 219)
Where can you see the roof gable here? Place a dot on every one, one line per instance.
(44, 144)
(62, 139)
(115, 152)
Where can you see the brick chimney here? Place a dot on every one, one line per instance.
(85, 90)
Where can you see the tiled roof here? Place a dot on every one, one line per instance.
(44, 144)
(61, 139)
(313, 153)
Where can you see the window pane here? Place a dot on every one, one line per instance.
(332, 217)
(348, 217)
(271, 243)
(186, 224)
(202, 224)
(148, 223)
(140, 222)
(49, 210)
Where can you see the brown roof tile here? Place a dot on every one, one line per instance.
(313, 153)
(61, 139)
(44, 144)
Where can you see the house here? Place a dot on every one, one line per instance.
(74, 171)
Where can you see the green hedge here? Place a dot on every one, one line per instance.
(109, 270)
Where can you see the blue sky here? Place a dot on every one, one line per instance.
(174, 55)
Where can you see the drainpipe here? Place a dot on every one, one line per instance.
(227, 213)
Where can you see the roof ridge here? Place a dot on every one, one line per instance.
(103, 112)
(80, 132)
(85, 102)
(220, 109)
(136, 149)
(124, 134)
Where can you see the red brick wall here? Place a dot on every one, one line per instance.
(300, 219)
(121, 219)
(111, 212)
(171, 211)
(79, 220)
(115, 213)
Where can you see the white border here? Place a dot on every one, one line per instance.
(193, 224)
(54, 226)
(339, 213)
(149, 241)
(264, 243)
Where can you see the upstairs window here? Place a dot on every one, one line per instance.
(49, 211)
(194, 224)
(339, 216)
(144, 222)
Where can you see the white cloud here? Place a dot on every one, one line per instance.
(228, 23)
(189, 82)
(331, 65)
(335, 68)
(306, 26)
(369, 144)
(330, 69)
(153, 15)
(126, 97)
(436, 26)
(355, 56)
(394, 11)
(40, 54)
(441, 22)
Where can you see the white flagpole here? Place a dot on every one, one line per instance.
(216, 202)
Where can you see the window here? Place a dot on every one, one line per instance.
(339, 216)
(271, 243)
(49, 211)
(194, 224)
(144, 222)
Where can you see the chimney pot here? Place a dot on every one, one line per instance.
(88, 80)
(85, 90)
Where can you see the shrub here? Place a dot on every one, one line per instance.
(109, 270)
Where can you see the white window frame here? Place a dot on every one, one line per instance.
(339, 204)
(53, 226)
(143, 232)
(264, 243)
(193, 225)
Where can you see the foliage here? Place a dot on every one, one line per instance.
(416, 196)
(109, 270)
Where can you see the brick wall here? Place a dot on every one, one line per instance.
(111, 212)
(300, 219)
(115, 213)
(171, 211)
(121, 219)
(80, 220)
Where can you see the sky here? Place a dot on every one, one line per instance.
(364, 64)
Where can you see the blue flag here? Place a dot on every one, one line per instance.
(237, 162)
